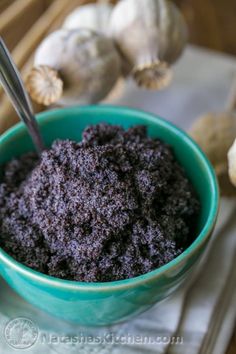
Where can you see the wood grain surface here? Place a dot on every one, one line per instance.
(212, 23)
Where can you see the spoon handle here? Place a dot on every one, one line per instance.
(13, 85)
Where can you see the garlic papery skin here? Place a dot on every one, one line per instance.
(232, 163)
(86, 62)
(151, 35)
(92, 16)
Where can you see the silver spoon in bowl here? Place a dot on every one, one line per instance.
(13, 85)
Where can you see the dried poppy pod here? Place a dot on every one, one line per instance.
(73, 67)
(215, 133)
(151, 35)
(96, 17)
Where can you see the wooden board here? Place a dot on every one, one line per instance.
(211, 23)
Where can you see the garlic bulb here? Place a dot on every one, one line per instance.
(151, 35)
(92, 16)
(73, 67)
(232, 163)
(231, 106)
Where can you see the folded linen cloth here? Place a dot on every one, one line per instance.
(199, 317)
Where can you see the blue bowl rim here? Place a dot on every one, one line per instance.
(45, 117)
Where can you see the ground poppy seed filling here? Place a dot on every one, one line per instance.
(113, 206)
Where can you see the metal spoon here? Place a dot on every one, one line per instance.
(13, 85)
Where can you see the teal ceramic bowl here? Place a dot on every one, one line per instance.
(96, 304)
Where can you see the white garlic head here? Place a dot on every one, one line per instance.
(232, 163)
(151, 35)
(86, 62)
(91, 16)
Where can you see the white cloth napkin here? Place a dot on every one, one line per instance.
(199, 316)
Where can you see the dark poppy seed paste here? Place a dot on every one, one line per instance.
(113, 206)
